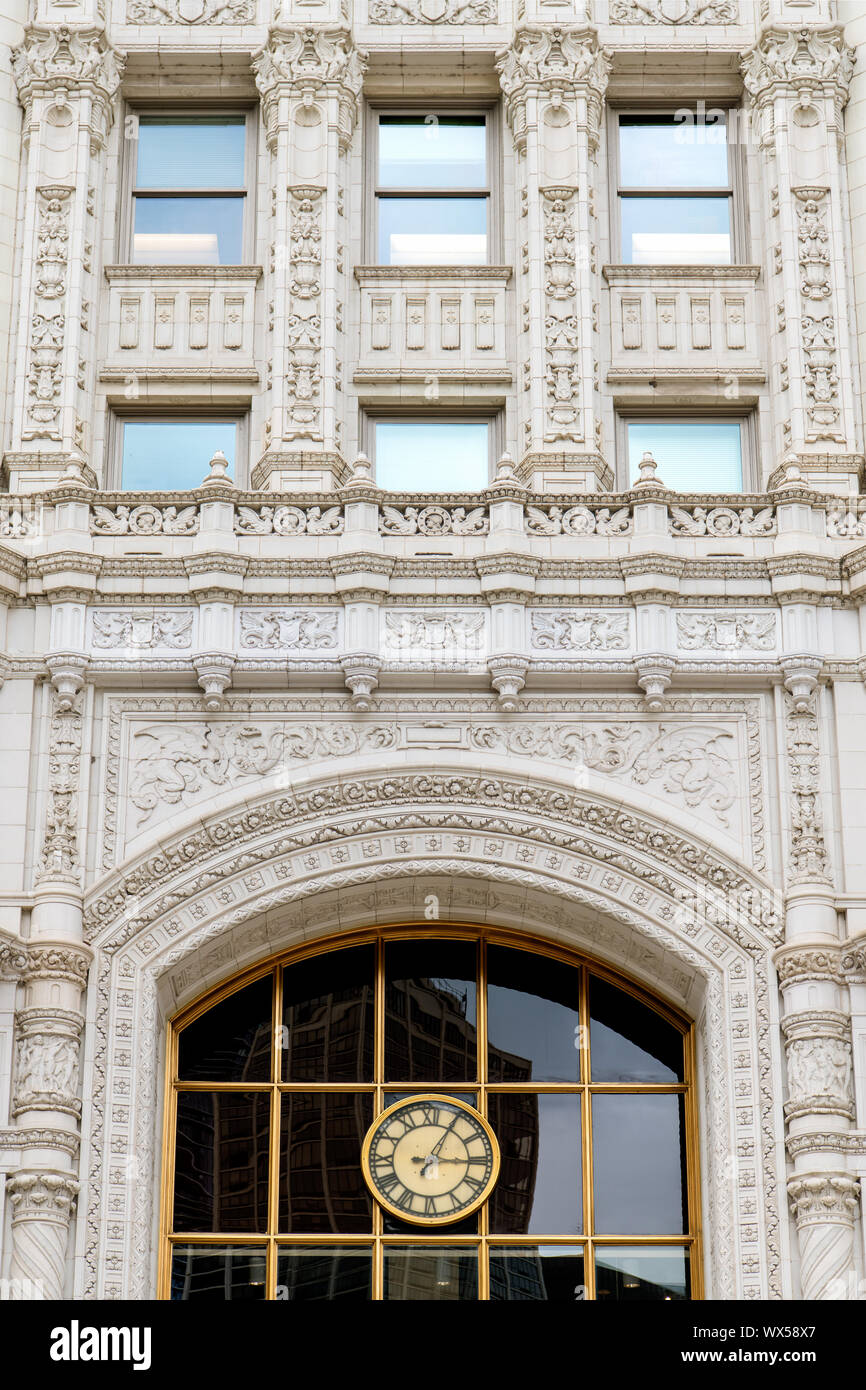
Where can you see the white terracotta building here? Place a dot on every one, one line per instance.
(552, 694)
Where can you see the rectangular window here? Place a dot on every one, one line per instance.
(432, 190)
(189, 190)
(692, 455)
(432, 455)
(172, 455)
(675, 188)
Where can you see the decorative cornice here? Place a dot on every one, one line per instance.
(681, 272)
(145, 373)
(183, 272)
(374, 274)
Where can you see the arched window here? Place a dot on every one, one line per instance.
(284, 1181)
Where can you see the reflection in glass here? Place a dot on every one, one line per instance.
(188, 231)
(432, 1273)
(206, 152)
(533, 1273)
(321, 1184)
(449, 456)
(217, 1272)
(629, 1041)
(638, 1273)
(221, 1162)
(432, 231)
(328, 1017)
(692, 455)
(430, 1018)
(173, 455)
(533, 1018)
(232, 1041)
(442, 152)
(540, 1184)
(661, 152)
(639, 1164)
(308, 1273)
(702, 234)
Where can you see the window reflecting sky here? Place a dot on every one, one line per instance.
(432, 231)
(188, 231)
(692, 455)
(207, 152)
(637, 1154)
(433, 456)
(672, 154)
(173, 455)
(676, 231)
(430, 152)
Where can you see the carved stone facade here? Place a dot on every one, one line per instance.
(573, 704)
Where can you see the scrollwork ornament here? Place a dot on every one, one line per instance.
(800, 60)
(61, 62)
(308, 63)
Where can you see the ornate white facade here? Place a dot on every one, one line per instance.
(575, 704)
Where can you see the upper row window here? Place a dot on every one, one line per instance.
(432, 185)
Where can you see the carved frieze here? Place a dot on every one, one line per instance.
(142, 630)
(279, 629)
(578, 521)
(722, 521)
(818, 1050)
(673, 12)
(432, 11)
(434, 520)
(578, 630)
(190, 12)
(288, 520)
(726, 632)
(46, 1061)
(431, 635)
(145, 520)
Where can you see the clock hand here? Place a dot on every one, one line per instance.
(435, 1150)
(427, 1157)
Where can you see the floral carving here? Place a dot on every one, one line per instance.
(433, 521)
(555, 56)
(434, 632)
(573, 629)
(726, 631)
(432, 11)
(845, 525)
(191, 12)
(60, 858)
(673, 12)
(312, 61)
(809, 861)
(143, 630)
(48, 321)
(561, 334)
(64, 58)
(800, 59)
(279, 628)
(722, 521)
(288, 521)
(146, 520)
(578, 521)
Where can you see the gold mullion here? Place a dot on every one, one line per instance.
(277, 1071)
(168, 1149)
(693, 1175)
(271, 1272)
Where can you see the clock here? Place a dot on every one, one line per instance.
(430, 1159)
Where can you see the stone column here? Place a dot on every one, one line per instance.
(310, 80)
(67, 79)
(797, 81)
(554, 80)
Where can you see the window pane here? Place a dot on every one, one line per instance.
(692, 455)
(660, 152)
(430, 1018)
(533, 1017)
(221, 1178)
(322, 1187)
(676, 231)
(217, 1273)
(328, 1017)
(638, 1165)
(188, 231)
(432, 231)
(432, 152)
(310, 1273)
(207, 152)
(533, 1273)
(166, 455)
(413, 455)
(540, 1184)
(628, 1041)
(232, 1041)
(435, 1274)
(635, 1272)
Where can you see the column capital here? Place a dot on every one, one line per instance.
(58, 62)
(817, 1198)
(553, 62)
(798, 62)
(307, 64)
(58, 960)
(42, 1195)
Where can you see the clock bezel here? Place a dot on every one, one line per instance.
(414, 1219)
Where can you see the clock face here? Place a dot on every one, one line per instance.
(430, 1159)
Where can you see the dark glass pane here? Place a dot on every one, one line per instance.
(203, 152)
(540, 1183)
(173, 455)
(639, 1165)
(432, 152)
(321, 1184)
(311, 1273)
(432, 231)
(676, 231)
(188, 231)
(328, 1017)
(536, 1273)
(217, 1272)
(221, 1177)
(662, 152)
(638, 1273)
(628, 1041)
(533, 1017)
(430, 1018)
(232, 1041)
(434, 1274)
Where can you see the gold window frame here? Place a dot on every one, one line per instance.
(271, 1241)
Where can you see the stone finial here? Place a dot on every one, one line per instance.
(792, 476)
(361, 474)
(505, 472)
(74, 473)
(647, 470)
(219, 471)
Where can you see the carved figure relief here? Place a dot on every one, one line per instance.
(726, 632)
(278, 628)
(572, 630)
(143, 630)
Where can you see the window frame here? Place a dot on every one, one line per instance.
(735, 190)
(371, 416)
(373, 190)
(158, 415)
(589, 1240)
(637, 415)
(126, 228)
